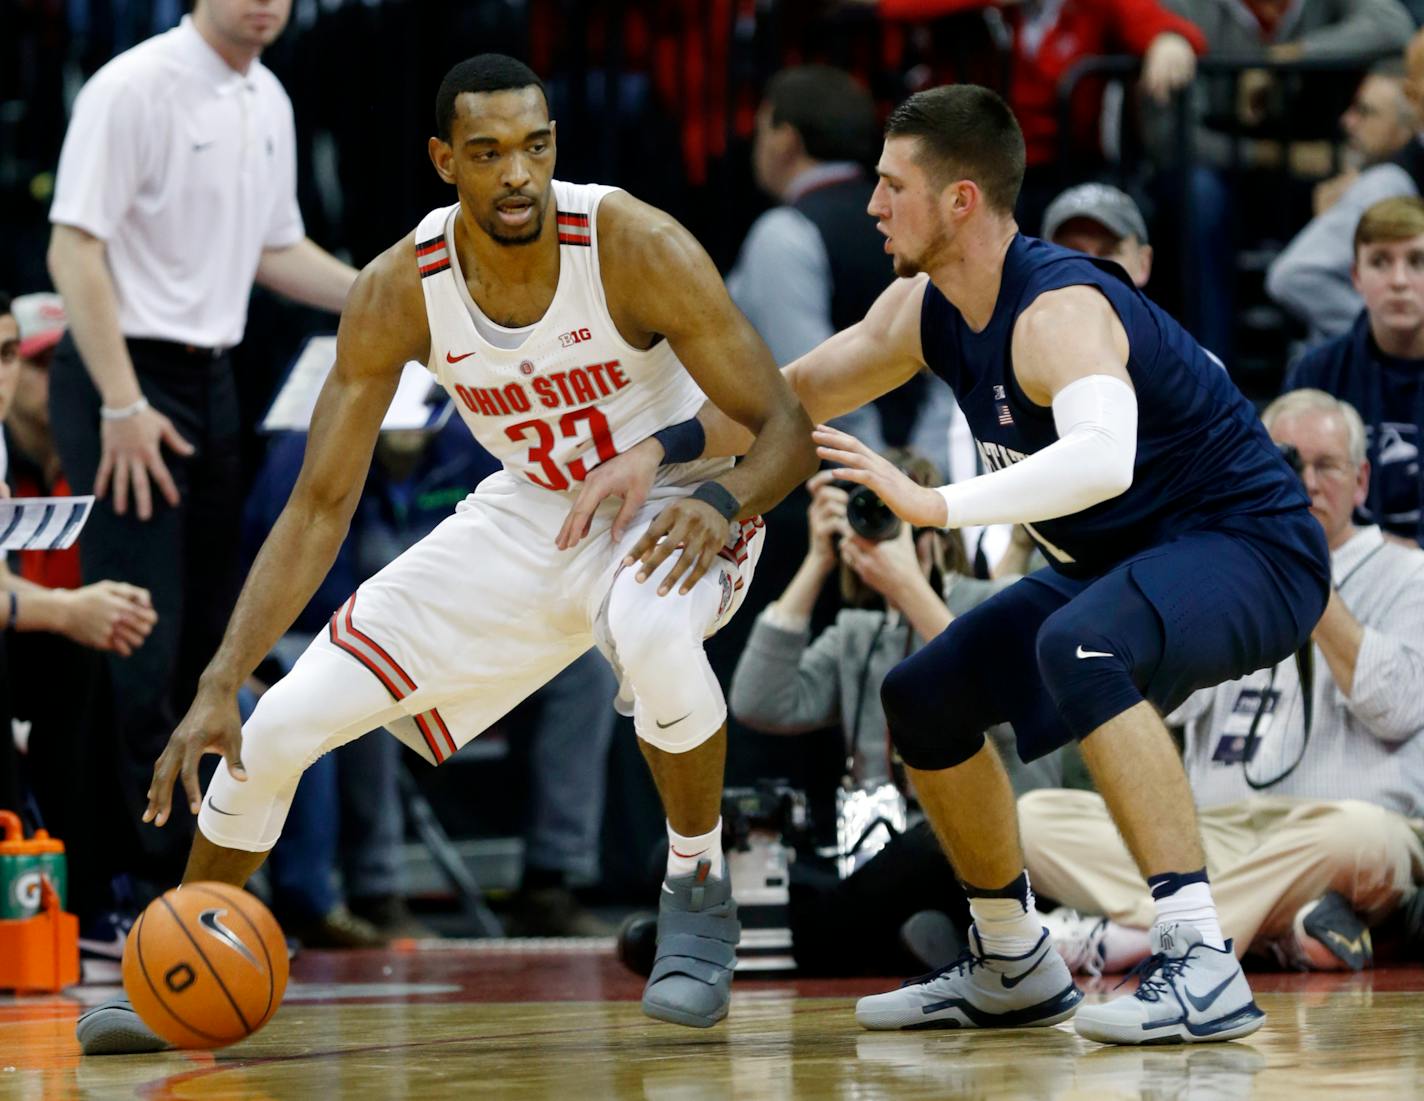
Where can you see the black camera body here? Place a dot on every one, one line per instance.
(869, 516)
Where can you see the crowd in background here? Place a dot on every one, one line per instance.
(1253, 165)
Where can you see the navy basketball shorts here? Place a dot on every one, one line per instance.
(1057, 657)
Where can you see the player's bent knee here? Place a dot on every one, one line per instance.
(926, 736)
(1084, 671)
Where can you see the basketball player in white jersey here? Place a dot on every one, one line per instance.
(569, 322)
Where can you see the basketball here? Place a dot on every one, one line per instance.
(205, 965)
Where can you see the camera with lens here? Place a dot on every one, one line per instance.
(869, 516)
(762, 827)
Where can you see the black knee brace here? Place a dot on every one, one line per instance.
(933, 709)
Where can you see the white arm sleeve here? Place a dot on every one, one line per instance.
(1091, 461)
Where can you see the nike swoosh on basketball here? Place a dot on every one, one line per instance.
(208, 919)
(1092, 653)
(1204, 1002)
(664, 726)
(1011, 981)
(456, 359)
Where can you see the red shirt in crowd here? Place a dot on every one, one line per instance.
(1049, 39)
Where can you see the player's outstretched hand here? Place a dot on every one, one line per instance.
(694, 528)
(915, 504)
(211, 725)
(628, 475)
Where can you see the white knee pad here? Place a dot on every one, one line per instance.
(294, 724)
(657, 642)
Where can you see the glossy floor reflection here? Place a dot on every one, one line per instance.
(452, 1022)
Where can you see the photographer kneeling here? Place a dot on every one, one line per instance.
(901, 587)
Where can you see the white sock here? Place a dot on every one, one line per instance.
(1192, 905)
(1124, 947)
(1006, 926)
(685, 853)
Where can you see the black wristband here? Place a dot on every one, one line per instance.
(716, 495)
(682, 442)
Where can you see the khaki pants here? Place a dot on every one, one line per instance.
(1266, 858)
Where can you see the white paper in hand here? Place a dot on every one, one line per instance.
(42, 523)
(412, 406)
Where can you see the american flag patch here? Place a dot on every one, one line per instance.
(1005, 417)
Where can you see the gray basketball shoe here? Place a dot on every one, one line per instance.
(1188, 993)
(698, 931)
(980, 991)
(115, 1029)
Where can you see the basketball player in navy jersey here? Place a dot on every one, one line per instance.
(1181, 550)
(568, 322)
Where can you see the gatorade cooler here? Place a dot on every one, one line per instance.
(39, 942)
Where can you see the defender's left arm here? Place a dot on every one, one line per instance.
(662, 284)
(1070, 354)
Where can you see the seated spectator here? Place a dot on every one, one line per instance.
(1275, 31)
(1048, 40)
(1104, 222)
(1305, 813)
(1312, 277)
(899, 593)
(1377, 364)
(815, 264)
(56, 684)
(1379, 123)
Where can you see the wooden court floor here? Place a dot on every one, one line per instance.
(458, 1020)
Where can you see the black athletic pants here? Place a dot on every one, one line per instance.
(187, 556)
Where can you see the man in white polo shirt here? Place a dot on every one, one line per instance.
(176, 191)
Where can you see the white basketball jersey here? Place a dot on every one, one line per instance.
(573, 393)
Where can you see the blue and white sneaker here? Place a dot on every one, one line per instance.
(101, 947)
(980, 991)
(1188, 993)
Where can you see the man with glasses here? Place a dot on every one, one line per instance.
(1309, 818)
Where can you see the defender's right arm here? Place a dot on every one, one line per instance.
(382, 327)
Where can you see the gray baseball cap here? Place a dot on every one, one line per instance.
(1101, 203)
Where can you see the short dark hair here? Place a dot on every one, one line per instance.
(966, 132)
(482, 73)
(834, 115)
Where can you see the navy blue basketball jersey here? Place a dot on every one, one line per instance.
(1202, 453)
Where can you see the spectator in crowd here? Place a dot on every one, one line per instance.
(1312, 278)
(1377, 364)
(814, 264)
(1102, 221)
(1274, 31)
(348, 811)
(56, 627)
(898, 593)
(1048, 39)
(1305, 812)
(1379, 123)
(176, 189)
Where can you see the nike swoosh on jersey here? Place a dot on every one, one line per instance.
(664, 726)
(229, 813)
(1092, 653)
(456, 359)
(1203, 1003)
(1011, 981)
